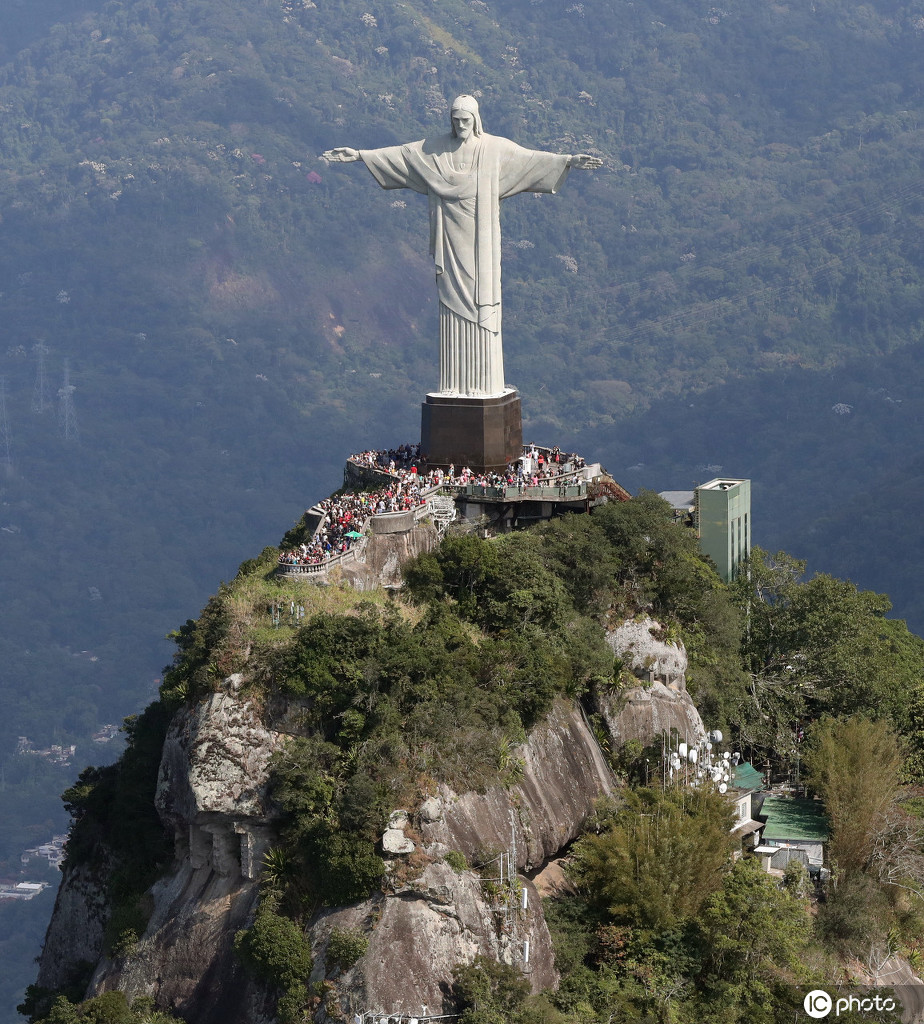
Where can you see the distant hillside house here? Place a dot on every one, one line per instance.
(720, 512)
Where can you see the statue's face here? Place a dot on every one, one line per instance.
(463, 123)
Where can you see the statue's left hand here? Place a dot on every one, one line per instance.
(584, 162)
(341, 155)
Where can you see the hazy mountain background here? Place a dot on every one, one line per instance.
(738, 290)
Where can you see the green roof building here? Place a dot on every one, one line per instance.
(746, 776)
(795, 825)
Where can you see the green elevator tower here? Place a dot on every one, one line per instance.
(722, 519)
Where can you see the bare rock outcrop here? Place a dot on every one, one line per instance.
(564, 773)
(661, 704)
(647, 655)
(78, 924)
(422, 929)
(185, 959)
(212, 792)
(643, 713)
(382, 555)
(211, 789)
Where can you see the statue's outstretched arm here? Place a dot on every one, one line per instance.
(341, 155)
(583, 162)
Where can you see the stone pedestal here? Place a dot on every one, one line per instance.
(482, 433)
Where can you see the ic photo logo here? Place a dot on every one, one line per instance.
(817, 1004)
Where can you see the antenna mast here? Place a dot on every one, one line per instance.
(40, 399)
(67, 413)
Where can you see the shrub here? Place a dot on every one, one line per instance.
(345, 947)
(456, 861)
(275, 950)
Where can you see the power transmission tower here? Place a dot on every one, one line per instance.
(66, 412)
(40, 398)
(6, 438)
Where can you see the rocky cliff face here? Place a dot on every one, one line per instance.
(75, 934)
(212, 795)
(382, 556)
(564, 773)
(661, 703)
(427, 918)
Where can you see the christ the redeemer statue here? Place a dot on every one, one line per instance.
(465, 174)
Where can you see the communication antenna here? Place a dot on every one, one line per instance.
(66, 411)
(6, 438)
(40, 398)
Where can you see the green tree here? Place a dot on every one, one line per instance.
(275, 950)
(824, 643)
(660, 859)
(753, 935)
(488, 992)
(854, 765)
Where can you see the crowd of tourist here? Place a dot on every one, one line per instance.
(389, 459)
(536, 467)
(345, 516)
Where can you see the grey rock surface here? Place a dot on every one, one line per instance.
(564, 773)
(211, 789)
(420, 931)
(647, 656)
(428, 918)
(644, 712)
(77, 927)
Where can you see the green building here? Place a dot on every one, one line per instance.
(720, 512)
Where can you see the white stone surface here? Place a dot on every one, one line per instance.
(646, 656)
(395, 841)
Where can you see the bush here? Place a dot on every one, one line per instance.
(456, 861)
(276, 951)
(345, 947)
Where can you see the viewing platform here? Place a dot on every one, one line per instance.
(389, 492)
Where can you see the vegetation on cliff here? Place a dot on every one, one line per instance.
(395, 692)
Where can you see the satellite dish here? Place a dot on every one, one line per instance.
(693, 755)
(726, 756)
(725, 777)
(709, 746)
(723, 788)
(716, 736)
(682, 750)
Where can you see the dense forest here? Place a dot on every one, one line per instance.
(738, 287)
(442, 682)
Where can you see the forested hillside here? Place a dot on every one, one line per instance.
(235, 316)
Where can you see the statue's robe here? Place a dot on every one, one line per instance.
(465, 239)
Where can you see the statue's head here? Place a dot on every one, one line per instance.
(465, 118)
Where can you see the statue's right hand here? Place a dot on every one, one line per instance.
(341, 155)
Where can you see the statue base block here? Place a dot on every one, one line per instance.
(481, 433)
